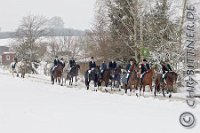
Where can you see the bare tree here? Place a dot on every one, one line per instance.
(28, 36)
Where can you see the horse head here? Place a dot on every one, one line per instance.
(173, 76)
(59, 68)
(74, 70)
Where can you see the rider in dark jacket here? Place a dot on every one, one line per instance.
(15, 62)
(112, 65)
(72, 63)
(92, 63)
(103, 67)
(56, 61)
(144, 67)
(131, 67)
(61, 61)
(165, 68)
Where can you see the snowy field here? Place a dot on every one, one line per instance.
(33, 105)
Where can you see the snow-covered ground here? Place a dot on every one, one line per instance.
(33, 105)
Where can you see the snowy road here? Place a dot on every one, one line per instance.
(37, 107)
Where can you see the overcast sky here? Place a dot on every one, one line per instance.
(76, 14)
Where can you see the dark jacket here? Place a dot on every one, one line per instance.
(144, 67)
(128, 67)
(166, 67)
(103, 66)
(56, 62)
(112, 65)
(61, 63)
(72, 63)
(92, 65)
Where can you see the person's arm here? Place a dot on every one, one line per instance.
(169, 67)
(148, 67)
(95, 65)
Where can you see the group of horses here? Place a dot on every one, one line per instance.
(21, 68)
(61, 74)
(134, 82)
(110, 77)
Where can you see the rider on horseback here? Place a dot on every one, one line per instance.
(15, 62)
(103, 67)
(72, 62)
(55, 63)
(112, 65)
(165, 69)
(61, 62)
(131, 67)
(144, 66)
(92, 64)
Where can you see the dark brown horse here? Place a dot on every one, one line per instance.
(115, 77)
(133, 81)
(73, 73)
(57, 74)
(147, 80)
(105, 77)
(171, 78)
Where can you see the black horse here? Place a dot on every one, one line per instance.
(73, 73)
(93, 75)
(115, 77)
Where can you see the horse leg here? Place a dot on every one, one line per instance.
(143, 89)
(52, 80)
(169, 91)
(111, 85)
(61, 81)
(163, 90)
(87, 84)
(58, 80)
(155, 90)
(76, 80)
(72, 80)
(119, 85)
(126, 88)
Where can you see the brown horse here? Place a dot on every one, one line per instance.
(57, 74)
(147, 80)
(105, 77)
(133, 81)
(171, 78)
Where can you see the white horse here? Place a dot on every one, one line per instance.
(20, 68)
(65, 75)
(12, 68)
(47, 69)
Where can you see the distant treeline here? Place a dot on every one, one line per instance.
(50, 32)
